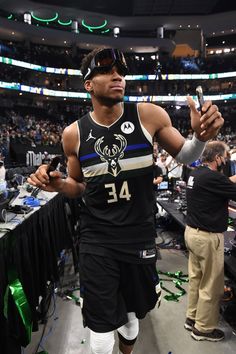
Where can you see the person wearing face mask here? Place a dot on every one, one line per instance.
(208, 193)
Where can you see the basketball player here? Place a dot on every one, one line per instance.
(110, 164)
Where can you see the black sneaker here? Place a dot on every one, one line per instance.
(189, 324)
(215, 336)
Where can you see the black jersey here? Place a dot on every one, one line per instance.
(117, 165)
(208, 193)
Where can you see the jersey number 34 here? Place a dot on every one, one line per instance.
(116, 195)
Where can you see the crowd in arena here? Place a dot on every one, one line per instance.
(139, 64)
(33, 122)
(143, 63)
(36, 128)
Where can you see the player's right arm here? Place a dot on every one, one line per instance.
(73, 185)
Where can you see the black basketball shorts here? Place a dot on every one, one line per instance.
(109, 289)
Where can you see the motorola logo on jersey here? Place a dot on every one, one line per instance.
(127, 127)
(111, 154)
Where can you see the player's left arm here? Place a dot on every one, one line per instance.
(157, 122)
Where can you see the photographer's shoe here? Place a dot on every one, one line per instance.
(189, 324)
(215, 336)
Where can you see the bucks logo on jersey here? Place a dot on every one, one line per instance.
(112, 154)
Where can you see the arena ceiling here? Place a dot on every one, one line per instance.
(213, 17)
(145, 7)
(129, 13)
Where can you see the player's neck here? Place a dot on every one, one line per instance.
(107, 115)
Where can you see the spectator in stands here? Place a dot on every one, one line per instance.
(208, 193)
(158, 175)
(110, 163)
(161, 162)
(175, 170)
(2, 168)
(233, 161)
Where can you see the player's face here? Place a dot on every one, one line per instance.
(108, 86)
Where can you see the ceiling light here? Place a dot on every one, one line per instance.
(105, 31)
(91, 28)
(74, 26)
(66, 23)
(27, 18)
(44, 19)
(116, 31)
(160, 32)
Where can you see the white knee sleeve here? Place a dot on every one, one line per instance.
(101, 343)
(130, 330)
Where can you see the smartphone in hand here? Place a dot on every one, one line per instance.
(200, 97)
(53, 164)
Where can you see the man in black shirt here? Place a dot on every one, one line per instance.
(208, 193)
(157, 175)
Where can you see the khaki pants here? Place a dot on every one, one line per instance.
(206, 277)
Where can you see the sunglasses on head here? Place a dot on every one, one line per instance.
(104, 60)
